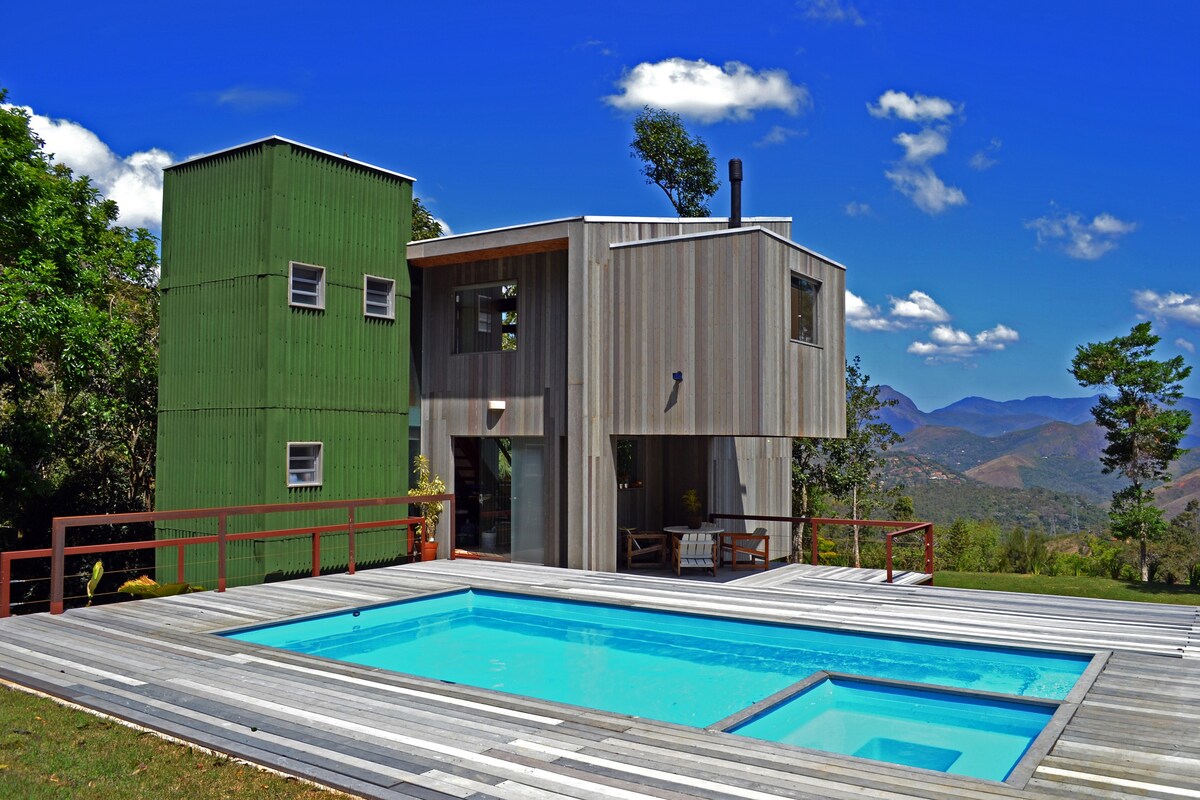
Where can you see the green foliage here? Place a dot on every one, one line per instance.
(78, 345)
(428, 484)
(970, 546)
(847, 468)
(1142, 429)
(94, 581)
(691, 501)
(1025, 551)
(674, 161)
(145, 586)
(424, 226)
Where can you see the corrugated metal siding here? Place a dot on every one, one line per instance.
(242, 372)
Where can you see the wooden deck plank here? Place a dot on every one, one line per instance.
(385, 735)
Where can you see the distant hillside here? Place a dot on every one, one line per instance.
(942, 495)
(996, 445)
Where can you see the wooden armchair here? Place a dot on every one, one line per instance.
(747, 550)
(697, 550)
(645, 549)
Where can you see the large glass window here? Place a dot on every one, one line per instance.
(804, 309)
(485, 318)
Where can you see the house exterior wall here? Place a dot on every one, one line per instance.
(242, 373)
(531, 380)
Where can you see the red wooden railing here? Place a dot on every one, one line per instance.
(815, 524)
(59, 549)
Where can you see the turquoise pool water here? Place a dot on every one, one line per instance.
(681, 668)
(982, 738)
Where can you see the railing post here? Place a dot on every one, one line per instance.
(179, 559)
(316, 553)
(5, 580)
(350, 539)
(929, 552)
(453, 528)
(814, 533)
(58, 541)
(888, 538)
(222, 530)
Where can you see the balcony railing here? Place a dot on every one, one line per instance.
(814, 534)
(59, 549)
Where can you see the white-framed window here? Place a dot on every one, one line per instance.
(306, 286)
(379, 297)
(805, 292)
(304, 467)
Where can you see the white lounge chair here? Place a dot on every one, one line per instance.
(696, 550)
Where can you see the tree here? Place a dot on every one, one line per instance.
(78, 345)
(1142, 429)
(851, 463)
(674, 161)
(844, 467)
(424, 226)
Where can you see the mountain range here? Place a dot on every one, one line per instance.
(1047, 443)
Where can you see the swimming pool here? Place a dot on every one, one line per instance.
(674, 667)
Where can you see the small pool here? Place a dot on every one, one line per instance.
(674, 667)
(983, 737)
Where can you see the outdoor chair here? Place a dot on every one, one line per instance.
(747, 550)
(645, 549)
(697, 550)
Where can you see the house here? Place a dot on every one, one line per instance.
(567, 378)
(578, 375)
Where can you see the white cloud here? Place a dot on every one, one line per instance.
(135, 182)
(777, 135)
(917, 108)
(857, 209)
(1172, 306)
(925, 188)
(920, 147)
(1083, 240)
(247, 98)
(951, 344)
(1184, 344)
(706, 92)
(832, 11)
(918, 307)
(864, 317)
(982, 159)
(446, 231)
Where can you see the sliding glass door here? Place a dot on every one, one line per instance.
(499, 485)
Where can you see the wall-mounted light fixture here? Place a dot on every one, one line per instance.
(495, 405)
(678, 376)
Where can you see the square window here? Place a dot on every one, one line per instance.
(306, 286)
(485, 318)
(804, 309)
(379, 297)
(304, 463)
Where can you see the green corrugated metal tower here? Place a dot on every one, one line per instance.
(254, 239)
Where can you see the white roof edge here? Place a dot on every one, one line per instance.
(486, 231)
(587, 218)
(729, 232)
(301, 145)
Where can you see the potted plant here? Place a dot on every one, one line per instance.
(428, 484)
(691, 504)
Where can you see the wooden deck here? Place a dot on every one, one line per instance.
(785, 575)
(384, 735)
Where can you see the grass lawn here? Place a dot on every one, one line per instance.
(1075, 586)
(50, 751)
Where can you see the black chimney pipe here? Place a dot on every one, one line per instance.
(735, 193)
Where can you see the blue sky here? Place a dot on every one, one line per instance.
(1003, 180)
